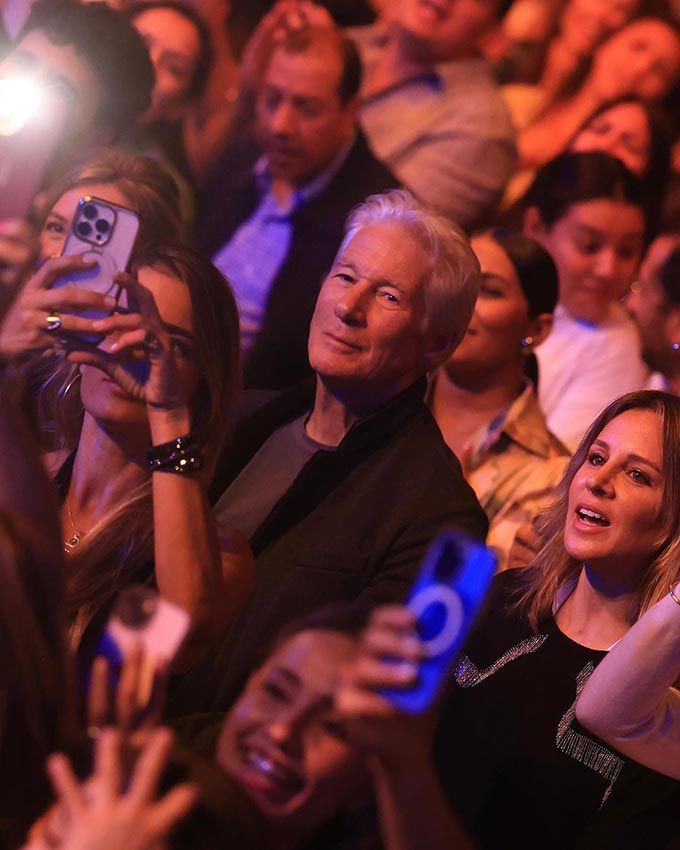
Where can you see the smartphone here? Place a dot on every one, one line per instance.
(105, 233)
(445, 599)
(141, 617)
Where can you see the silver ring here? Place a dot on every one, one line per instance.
(52, 322)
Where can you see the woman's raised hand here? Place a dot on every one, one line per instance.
(137, 352)
(26, 326)
(388, 656)
(108, 813)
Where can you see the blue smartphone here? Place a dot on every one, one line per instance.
(454, 578)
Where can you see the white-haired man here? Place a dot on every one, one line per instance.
(341, 485)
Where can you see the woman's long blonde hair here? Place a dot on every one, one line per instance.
(553, 566)
(112, 554)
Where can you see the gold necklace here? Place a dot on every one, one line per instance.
(71, 542)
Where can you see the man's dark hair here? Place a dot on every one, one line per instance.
(112, 48)
(300, 41)
(205, 58)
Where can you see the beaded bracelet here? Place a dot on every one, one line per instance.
(181, 456)
(672, 594)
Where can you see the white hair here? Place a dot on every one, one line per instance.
(452, 286)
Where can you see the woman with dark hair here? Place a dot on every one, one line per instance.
(136, 419)
(588, 211)
(516, 765)
(180, 48)
(482, 399)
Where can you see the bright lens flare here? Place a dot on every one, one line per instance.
(19, 99)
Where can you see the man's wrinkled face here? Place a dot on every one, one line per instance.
(302, 123)
(367, 333)
(283, 742)
(59, 71)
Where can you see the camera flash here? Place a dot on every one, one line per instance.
(19, 99)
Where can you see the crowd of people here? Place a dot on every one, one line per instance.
(399, 267)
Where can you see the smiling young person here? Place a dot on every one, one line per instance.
(589, 212)
(515, 762)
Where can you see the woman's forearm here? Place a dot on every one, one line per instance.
(187, 554)
(550, 135)
(629, 700)
(414, 813)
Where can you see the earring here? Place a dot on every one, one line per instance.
(527, 342)
(675, 346)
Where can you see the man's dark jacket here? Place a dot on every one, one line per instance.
(279, 357)
(352, 527)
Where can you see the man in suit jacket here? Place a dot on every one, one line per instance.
(273, 214)
(342, 485)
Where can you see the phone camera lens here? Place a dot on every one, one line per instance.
(90, 211)
(83, 228)
(102, 225)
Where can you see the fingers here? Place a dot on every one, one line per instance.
(176, 804)
(139, 297)
(127, 695)
(119, 322)
(64, 782)
(56, 267)
(374, 675)
(72, 299)
(150, 765)
(107, 769)
(393, 616)
(99, 695)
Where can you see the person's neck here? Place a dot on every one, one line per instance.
(479, 394)
(596, 614)
(402, 58)
(337, 409)
(106, 469)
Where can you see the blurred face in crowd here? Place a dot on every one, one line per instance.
(302, 122)
(63, 76)
(622, 132)
(614, 510)
(585, 23)
(174, 46)
(658, 321)
(367, 333)
(447, 29)
(642, 59)
(104, 399)
(283, 742)
(501, 319)
(596, 246)
(55, 229)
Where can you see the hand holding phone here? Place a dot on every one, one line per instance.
(454, 577)
(103, 234)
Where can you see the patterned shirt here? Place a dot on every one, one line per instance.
(446, 135)
(513, 465)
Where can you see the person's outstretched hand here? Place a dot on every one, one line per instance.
(107, 813)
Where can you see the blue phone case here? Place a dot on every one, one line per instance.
(454, 577)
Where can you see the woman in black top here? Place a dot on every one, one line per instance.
(515, 763)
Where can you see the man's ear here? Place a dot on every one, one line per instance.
(533, 224)
(540, 327)
(438, 352)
